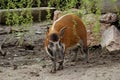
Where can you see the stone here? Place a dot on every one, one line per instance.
(111, 39)
(58, 13)
(8, 29)
(108, 18)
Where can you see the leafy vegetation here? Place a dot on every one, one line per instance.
(25, 18)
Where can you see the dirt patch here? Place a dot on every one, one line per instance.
(27, 64)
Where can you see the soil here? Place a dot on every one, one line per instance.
(22, 63)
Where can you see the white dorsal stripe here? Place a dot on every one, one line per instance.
(58, 20)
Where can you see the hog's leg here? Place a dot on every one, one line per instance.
(86, 55)
(53, 69)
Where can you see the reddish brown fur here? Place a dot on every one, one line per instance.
(74, 32)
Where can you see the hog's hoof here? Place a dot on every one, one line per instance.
(53, 71)
(60, 67)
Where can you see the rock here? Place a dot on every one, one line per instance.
(103, 27)
(8, 29)
(15, 55)
(1, 29)
(21, 50)
(58, 13)
(38, 32)
(36, 74)
(110, 6)
(111, 39)
(109, 18)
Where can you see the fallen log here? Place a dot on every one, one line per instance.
(42, 11)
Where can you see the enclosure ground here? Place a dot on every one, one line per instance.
(27, 64)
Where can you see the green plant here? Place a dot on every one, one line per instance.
(21, 19)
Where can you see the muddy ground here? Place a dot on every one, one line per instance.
(25, 63)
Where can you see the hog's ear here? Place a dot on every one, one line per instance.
(62, 31)
(47, 28)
